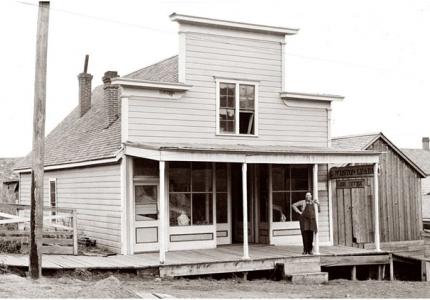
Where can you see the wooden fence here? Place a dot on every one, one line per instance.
(60, 234)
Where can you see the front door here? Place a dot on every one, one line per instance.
(146, 216)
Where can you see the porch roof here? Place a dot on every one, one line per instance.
(249, 153)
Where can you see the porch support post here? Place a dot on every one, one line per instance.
(376, 206)
(245, 211)
(162, 224)
(315, 196)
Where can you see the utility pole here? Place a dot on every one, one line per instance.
(38, 153)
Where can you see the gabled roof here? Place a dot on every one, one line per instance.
(421, 157)
(163, 71)
(364, 141)
(88, 138)
(79, 139)
(6, 169)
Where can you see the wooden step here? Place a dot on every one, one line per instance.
(308, 278)
(305, 264)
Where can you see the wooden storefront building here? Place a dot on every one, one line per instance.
(400, 200)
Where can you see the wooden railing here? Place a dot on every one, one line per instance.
(60, 233)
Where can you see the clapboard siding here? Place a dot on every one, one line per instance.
(96, 195)
(192, 118)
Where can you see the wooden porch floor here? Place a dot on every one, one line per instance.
(265, 255)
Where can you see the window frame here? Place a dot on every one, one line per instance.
(54, 180)
(237, 83)
(290, 190)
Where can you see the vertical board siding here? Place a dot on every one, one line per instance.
(399, 197)
(425, 192)
(96, 195)
(400, 202)
(192, 118)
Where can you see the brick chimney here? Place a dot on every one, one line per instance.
(85, 89)
(111, 97)
(426, 143)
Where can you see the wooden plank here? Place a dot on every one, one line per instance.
(56, 249)
(334, 209)
(389, 190)
(354, 260)
(341, 217)
(348, 216)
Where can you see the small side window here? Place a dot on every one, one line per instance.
(53, 194)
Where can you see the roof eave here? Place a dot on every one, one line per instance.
(157, 85)
(231, 24)
(311, 97)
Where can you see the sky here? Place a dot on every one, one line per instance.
(375, 53)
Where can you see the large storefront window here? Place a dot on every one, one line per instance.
(289, 185)
(190, 193)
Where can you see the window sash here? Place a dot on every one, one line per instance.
(252, 126)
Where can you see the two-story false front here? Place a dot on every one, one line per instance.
(216, 150)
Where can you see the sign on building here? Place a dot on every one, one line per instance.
(351, 172)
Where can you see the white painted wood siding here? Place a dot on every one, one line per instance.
(192, 119)
(425, 188)
(96, 195)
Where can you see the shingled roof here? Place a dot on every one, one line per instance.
(421, 157)
(6, 169)
(163, 71)
(82, 139)
(79, 139)
(364, 141)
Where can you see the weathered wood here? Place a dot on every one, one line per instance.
(354, 273)
(332, 261)
(38, 150)
(391, 267)
(75, 231)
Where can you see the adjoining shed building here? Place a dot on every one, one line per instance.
(422, 158)
(202, 149)
(400, 201)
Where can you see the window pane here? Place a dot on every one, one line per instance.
(296, 196)
(281, 206)
(227, 120)
(247, 96)
(201, 177)
(145, 197)
(246, 122)
(300, 178)
(221, 208)
(280, 178)
(145, 167)
(179, 176)
(221, 177)
(53, 200)
(202, 209)
(180, 209)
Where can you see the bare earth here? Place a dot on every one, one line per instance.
(123, 286)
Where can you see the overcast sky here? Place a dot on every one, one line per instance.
(375, 53)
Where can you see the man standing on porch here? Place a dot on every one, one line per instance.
(308, 226)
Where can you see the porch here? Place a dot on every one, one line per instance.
(223, 259)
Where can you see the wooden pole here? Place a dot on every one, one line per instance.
(315, 196)
(376, 206)
(36, 212)
(162, 224)
(245, 211)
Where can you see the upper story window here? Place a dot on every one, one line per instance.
(237, 108)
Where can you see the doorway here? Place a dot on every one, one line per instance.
(258, 203)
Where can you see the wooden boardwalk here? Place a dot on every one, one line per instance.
(262, 257)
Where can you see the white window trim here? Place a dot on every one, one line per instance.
(237, 109)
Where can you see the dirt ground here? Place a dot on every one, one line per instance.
(131, 286)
